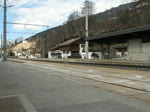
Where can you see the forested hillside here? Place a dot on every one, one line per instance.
(125, 16)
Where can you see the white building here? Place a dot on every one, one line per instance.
(74, 48)
(66, 49)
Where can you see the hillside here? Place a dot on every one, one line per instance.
(25, 46)
(98, 16)
(114, 11)
(122, 17)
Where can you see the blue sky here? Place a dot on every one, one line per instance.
(45, 12)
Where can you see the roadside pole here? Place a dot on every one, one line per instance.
(5, 34)
(5, 30)
(86, 28)
(1, 42)
(43, 48)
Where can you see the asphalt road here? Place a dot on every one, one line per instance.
(52, 91)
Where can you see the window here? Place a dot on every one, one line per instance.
(67, 52)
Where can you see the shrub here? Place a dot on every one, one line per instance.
(11, 53)
(46, 55)
(74, 56)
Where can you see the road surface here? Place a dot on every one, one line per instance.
(55, 91)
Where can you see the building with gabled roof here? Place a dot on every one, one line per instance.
(68, 48)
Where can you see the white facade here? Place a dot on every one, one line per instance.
(83, 54)
(37, 55)
(59, 54)
(24, 41)
(18, 54)
(119, 54)
(66, 53)
(55, 54)
(138, 50)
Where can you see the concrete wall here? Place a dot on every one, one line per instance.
(134, 46)
(138, 50)
(146, 48)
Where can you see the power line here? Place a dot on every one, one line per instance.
(42, 25)
(53, 12)
(27, 24)
(37, 24)
(22, 32)
(96, 1)
(59, 7)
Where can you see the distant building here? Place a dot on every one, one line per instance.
(66, 49)
(24, 49)
(24, 41)
(74, 48)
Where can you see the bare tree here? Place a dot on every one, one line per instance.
(88, 4)
(74, 16)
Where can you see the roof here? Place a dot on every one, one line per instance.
(53, 48)
(120, 32)
(69, 42)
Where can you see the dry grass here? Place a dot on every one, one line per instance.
(24, 45)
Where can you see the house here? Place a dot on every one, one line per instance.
(66, 49)
(74, 48)
(137, 40)
(24, 41)
(55, 52)
(24, 49)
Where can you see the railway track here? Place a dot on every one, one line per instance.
(122, 65)
(79, 73)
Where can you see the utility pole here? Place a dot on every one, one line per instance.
(86, 28)
(1, 42)
(43, 48)
(4, 33)
(141, 12)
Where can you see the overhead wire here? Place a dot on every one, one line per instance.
(21, 32)
(53, 12)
